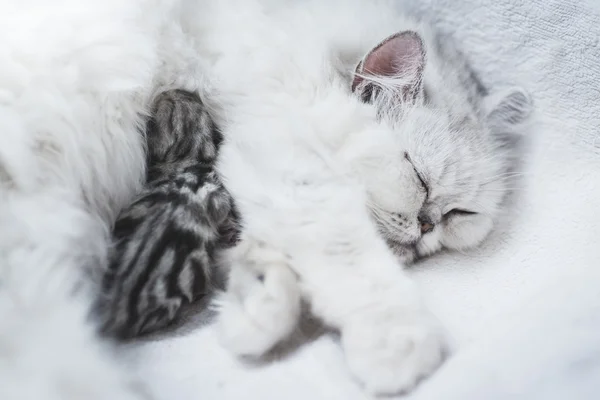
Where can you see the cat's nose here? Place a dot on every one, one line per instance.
(426, 225)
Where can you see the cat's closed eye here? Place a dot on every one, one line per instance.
(458, 211)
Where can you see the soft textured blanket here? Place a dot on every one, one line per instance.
(524, 311)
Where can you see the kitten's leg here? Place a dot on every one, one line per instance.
(262, 303)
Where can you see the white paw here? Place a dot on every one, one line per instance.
(262, 304)
(391, 355)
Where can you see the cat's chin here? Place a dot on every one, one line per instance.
(406, 253)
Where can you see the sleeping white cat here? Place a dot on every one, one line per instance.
(76, 80)
(350, 132)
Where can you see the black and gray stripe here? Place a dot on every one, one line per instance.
(167, 242)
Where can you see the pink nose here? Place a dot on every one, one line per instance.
(426, 227)
(427, 224)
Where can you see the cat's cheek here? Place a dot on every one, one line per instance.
(466, 232)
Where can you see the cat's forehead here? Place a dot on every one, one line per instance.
(436, 135)
(451, 155)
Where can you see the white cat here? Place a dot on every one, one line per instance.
(350, 131)
(75, 79)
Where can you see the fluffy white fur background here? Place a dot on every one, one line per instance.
(524, 312)
(74, 78)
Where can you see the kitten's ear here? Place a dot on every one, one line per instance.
(508, 109)
(508, 118)
(395, 64)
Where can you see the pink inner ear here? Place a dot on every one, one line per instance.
(400, 55)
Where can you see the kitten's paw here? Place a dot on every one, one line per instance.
(391, 355)
(262, 303)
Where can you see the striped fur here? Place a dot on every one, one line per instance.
(167, 241)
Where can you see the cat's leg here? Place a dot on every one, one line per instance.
(262, 303)
(389, 339)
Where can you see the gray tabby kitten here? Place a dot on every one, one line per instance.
(168, 240)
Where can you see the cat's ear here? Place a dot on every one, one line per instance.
(507, 114)
(508, 108)
(395, 65)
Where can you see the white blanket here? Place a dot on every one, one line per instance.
(524, 311)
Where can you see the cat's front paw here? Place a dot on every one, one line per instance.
(391, 355)
(262, 304)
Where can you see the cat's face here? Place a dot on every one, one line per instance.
(463, 172)
(450, 170)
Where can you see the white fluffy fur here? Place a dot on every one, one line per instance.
(74, 80)
(304, 157)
